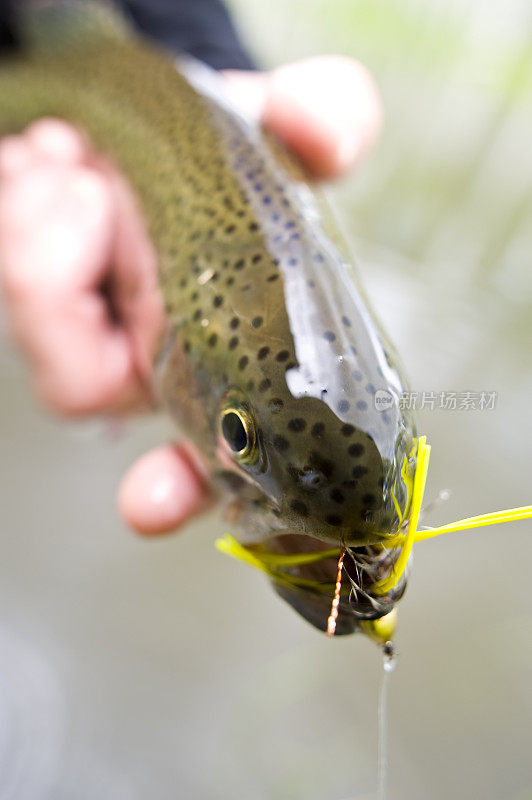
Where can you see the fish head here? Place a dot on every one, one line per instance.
(317, 472)
(323, 446)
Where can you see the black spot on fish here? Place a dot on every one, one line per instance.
(235, 322)
(297, 424)
(329, 336)
(217, 301)
(283, 355)
(362, 405)
(320, 464)
(347, 430)
(359, 471)
(317, 430)
(213, 338)
(264, 385)
(299, 507)
(272, 277)
(332, 519)
(343, 406)
(243, 362)
(275, 405)
(280, 443)
(240, 264)
(337, 496)
(346, 321)
(256, 322)
(263, 353)
(233, 342)
(356, 450)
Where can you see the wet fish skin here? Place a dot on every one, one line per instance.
(264, 318)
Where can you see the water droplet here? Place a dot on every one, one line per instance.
(389, 656)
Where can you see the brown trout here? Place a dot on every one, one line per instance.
(272, 362)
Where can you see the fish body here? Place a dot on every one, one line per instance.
(271, 361)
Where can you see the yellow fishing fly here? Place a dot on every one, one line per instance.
(381, 629)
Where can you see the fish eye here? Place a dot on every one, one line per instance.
(234, 431)
(238, 430)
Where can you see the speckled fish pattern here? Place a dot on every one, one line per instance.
(263, 311)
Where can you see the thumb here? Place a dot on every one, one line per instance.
(163, 489)
(326, 109)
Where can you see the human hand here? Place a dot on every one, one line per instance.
(78, 271)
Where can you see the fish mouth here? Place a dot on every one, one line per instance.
(308, 585)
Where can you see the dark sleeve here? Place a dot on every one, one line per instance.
(7, 26)
(202, 28)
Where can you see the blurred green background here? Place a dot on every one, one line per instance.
(123, 676)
